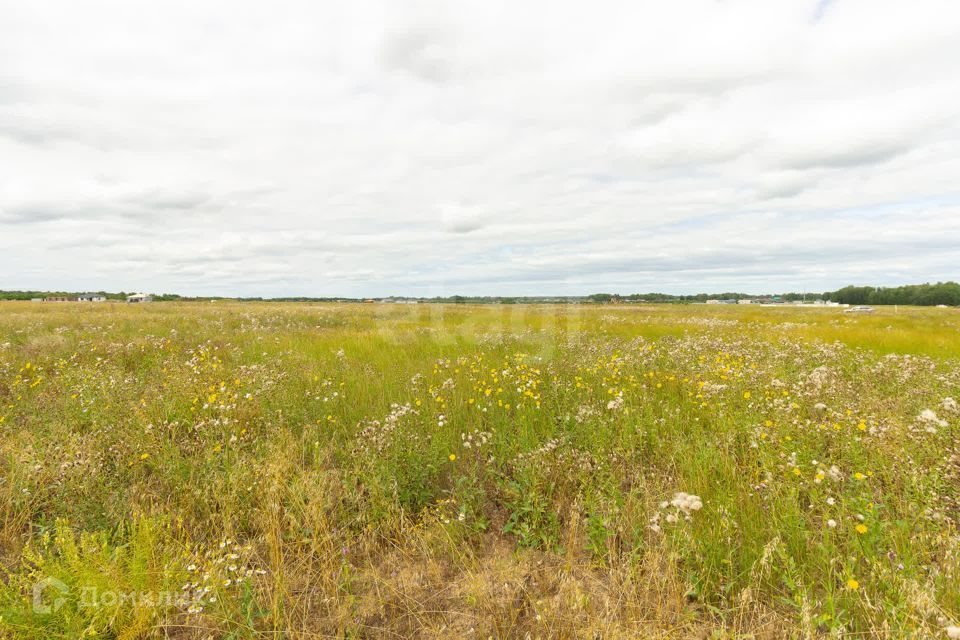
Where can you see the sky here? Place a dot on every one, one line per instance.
(369, 148)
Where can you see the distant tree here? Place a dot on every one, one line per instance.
(913, 294)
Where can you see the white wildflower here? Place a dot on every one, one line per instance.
(930, 418)
(686, 502)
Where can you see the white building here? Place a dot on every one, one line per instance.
(140, 297)
(90, 297)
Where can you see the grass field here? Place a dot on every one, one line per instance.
(226, 470)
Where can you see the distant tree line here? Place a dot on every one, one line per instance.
(119, 295)
(923, 295)
(947, 293)
(30, 295)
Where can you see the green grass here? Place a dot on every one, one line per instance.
(319, 470)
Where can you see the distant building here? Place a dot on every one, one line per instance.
(746, 301)
(725, 301)
(90, 297)
(59, 299)
(140, 297)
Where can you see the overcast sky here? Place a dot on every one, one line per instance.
(478, 147)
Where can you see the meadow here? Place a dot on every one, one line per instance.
(261, 470)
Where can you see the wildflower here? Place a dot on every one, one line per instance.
(852, 584)
(929, 417)
(686, 502)
(144, 456)
(453, 457)
(953, 632)
(832, 523)
(950, 406)
(861, 529)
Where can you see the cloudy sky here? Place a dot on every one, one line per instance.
(478, 147)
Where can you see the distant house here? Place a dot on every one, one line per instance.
(59, 299)
(140, 297)
(90, 297)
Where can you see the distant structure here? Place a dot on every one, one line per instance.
(83, 297)
(140, 297)
(724, 301)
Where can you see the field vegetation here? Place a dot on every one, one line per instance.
(248, 470)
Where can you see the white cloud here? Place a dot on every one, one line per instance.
(369, 148)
